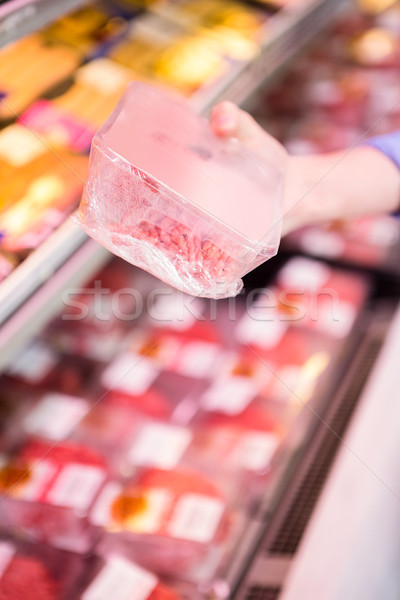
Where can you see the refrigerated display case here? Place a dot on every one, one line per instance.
(285, 33)
(150, 472)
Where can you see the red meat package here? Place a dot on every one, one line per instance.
(119, 578)
(174, 521)
(47, 491)
(246, 441)
(164, 193)
(36, 572)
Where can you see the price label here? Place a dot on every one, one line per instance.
(120, 579)
(230, 395)
(76, 486)
(196, 518)
(160, 445)
(130, 373)
(55, 416)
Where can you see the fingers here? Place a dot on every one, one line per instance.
(227, 120)
(224, 117)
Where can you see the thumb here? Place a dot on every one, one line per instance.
(228, 120)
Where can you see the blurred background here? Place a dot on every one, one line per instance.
(155, 445)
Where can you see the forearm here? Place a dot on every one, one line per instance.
(339, 185)
(355, 182)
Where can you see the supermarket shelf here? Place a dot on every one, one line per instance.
(20, 17)
(40, 307)
(349, 549)
(287, 33)
(39, 267)
(288, 519)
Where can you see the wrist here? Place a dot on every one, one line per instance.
(340, 185)
(307, 198)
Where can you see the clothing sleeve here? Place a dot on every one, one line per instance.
(389, 144)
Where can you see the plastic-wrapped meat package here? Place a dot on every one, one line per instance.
(22, 80)
(50, 416)
(36, 572)
(119, 578)
(375, 47)
(295, 357)
(130, 439)
(109, 428)
(48, 490)
(229, 394)
(246, 441)
(171, 311)
(341, 98)
(96, 317)
(166, 194)
(45, 190)
(157, 444)
(39, 366)
(153, 402)
(305, 294)
(176, 522)
(312, 294)
(90, 29)
(107, 302)
(188, 356)
(316, 134)
(247, 444)
(33, 367)
(369, 241)
(133, 381)
(58, 127)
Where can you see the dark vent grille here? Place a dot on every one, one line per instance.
(308, 490)
(257, 592)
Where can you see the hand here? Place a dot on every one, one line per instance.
(318, 188)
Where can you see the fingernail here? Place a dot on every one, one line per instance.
(225, 122)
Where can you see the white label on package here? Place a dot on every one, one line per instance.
(41, 473)
(383, 232)
(199, 359)
(105, 75)
(336, 318)
(175, 310)
(7, 552)
(160, 445)
(120, 579)
(304, 273)
(55, 415)
(76, 486)
(255, 450)
(322, 243)
(230, 395)
(19, 146)
(130, 373)
(34, 363)
(100, 514)
(196, 518)
(265, 331)
(102, 348)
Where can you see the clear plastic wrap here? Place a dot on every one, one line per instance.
(37, 572)
(47, 490)
(119, 578)
(177, 522)
(164, 193)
